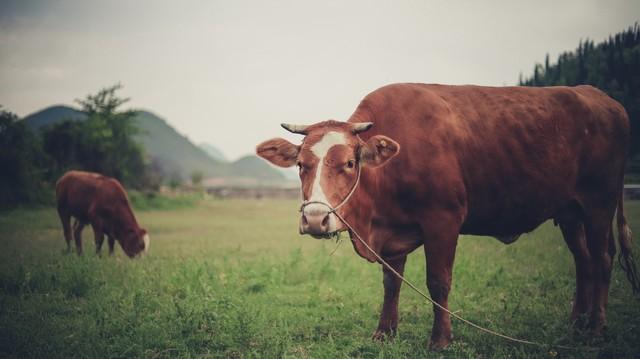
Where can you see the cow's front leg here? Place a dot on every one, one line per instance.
(65, 219)
(77, 235)
(389, 315)
(441, 238)
(439, 268)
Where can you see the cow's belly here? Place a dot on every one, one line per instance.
(80, 210)
(507, 219)
(505, 231)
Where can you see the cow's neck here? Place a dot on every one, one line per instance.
(357, 212)
(126, 222)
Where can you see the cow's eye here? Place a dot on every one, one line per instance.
(300, 167)
(351, 163)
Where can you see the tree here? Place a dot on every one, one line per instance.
(196, 178)
(546, 65)
(65, 144)
(22, 162)
(103, 143)
(612, 66)
(112, 133)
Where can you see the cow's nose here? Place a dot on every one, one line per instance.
(314, 222)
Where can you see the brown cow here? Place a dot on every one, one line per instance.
(443, 160)
(102, 202)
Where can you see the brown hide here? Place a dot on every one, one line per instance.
(102, 202)
(483, 161)
(500, 161)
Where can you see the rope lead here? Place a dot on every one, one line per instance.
(424, 295)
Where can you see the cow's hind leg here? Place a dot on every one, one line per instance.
(77, 235)
(98, 237)
(599, 237)
(573, 233)
(112, 242)
(65, 219)
(389, 316)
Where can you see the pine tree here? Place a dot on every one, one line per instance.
(612, 66)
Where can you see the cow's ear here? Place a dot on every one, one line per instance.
(378, 150)
(278, 151)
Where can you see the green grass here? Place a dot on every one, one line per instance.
(157, 201)
(234, 279)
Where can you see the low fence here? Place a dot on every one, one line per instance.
(254, 193)
(632, 191)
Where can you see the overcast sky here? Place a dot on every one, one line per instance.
(228, 72)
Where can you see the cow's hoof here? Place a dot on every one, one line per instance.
(383, 335)
(439, 343)
(598, 325)
(580, 322)
(598, 329)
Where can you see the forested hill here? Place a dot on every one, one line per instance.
(612, 66)
(173, 153)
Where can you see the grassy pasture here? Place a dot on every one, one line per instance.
(234, 279)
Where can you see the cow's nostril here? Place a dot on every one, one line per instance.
(325, 221)
(304, 220)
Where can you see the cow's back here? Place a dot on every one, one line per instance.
(512, 157)
(78, 191)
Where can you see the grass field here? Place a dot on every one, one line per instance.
(234, 279)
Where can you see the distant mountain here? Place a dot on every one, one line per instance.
(51, 115)
(253, 166)
(213, 152)
(290, 174)
(175, 153)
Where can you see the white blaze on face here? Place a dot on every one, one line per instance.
(321, 149)
(146, 242)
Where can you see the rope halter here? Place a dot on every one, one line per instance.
(344, 201)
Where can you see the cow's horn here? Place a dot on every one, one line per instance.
(361, 127)
(301, 129)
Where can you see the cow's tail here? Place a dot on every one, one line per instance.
(625, 259)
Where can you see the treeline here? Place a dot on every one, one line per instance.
(103, 142)
(612, 66)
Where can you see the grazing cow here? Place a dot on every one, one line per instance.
(102, 202)
(419, 164)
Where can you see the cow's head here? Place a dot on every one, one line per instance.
(135, 242)
(328, 160)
